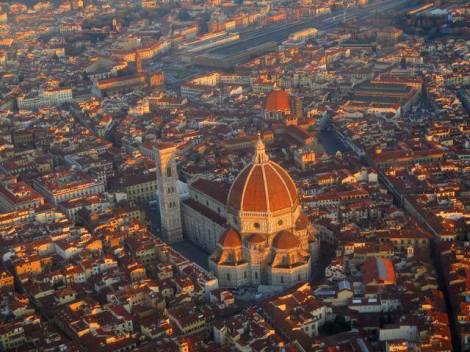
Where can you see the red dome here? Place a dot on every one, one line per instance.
(278, 100)
(285, 240)
(230, 239)
(262, 186)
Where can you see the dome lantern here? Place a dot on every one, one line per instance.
(261, 156)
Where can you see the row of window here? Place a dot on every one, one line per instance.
(245, 275)
(257, 226)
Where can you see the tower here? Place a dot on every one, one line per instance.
(138, 63)
(168, 199)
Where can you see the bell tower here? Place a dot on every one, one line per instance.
(168, 198)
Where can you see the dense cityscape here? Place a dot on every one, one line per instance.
(235, 175)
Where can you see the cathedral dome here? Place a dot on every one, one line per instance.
(285, 240)
(278, 101)
(263, 186)
(230, 239)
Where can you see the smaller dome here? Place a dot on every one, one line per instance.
(278, 101)
(285, 240)
(256, 238)
(230, 239)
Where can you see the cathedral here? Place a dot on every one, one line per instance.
(256, 231)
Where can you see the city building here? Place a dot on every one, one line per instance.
(268, 240)
(19, 196)
(60, 186)
(51, 97)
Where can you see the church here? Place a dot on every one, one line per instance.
(255, 231)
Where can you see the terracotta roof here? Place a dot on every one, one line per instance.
(256, 238)
(285, 240)
(213, 189)
(263, 188)
(278, 100)
(230, 239)
(378, 270)
(207, 212)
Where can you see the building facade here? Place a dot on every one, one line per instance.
(45, 98)
(61, 186)
(204, 216)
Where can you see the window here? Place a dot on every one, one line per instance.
(280, 222)
(228, 277)
(282, 279)
(244, 274)
(298, 277)
(256, 225)
(256, 275)
(168, 171)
